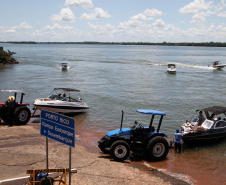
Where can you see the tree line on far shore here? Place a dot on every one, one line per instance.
(204, 44)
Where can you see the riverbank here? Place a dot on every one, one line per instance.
(6, 57)
(22, 148)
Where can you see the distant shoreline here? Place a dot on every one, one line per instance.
(203, 44)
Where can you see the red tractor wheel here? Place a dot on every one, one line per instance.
(22, 115)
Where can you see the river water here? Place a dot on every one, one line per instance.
(114, 78)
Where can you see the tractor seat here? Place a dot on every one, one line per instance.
(152, 129)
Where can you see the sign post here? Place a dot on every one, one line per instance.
(60, 128)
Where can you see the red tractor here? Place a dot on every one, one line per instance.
(12, 112)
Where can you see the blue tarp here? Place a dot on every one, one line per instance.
(153, 112)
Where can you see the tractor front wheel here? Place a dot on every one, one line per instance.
(22, 115)
(158, 148)
(120, 150)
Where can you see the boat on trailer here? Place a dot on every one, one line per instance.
(214, 126)
(62, 100)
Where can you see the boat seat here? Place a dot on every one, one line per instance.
(220, 124)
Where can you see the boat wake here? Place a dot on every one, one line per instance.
(187, 66)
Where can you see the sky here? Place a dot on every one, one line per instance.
(113, 20)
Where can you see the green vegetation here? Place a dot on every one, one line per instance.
(6, 57)
(204, 44)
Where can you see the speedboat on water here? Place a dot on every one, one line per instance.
(171, 68)
(211, 129)
(62, 100)
(64, 66)
(217, 65)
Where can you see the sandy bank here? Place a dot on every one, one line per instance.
(22, 148)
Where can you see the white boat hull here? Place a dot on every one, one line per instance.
(219, 66)
(171, 71)
(61, 110)
(61, 106)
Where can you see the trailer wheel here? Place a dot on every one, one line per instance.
(120, 150)
(158, 148)
(22, 115)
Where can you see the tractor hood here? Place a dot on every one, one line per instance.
(124, 133)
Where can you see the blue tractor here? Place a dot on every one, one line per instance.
(142, 141)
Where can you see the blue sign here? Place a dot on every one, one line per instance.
(58, 127)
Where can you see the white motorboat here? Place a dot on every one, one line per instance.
(217, 65)
(171, 68)
(62, 100)
(64, 66)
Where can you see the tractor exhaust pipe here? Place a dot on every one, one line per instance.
(121, 120)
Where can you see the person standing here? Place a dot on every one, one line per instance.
(201, 117)
(178, 136)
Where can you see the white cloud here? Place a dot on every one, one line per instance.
(131, 24)
(139, 17)
(222, 14)
(66, 15)
(96, 14)
(147, 15)
(159, 23)
(79, 3)
(55, 32)
(201, 17)
(23, 26)
(194, 7)
(153, 12)
(136, 31)
(57, 26)
(201, 9)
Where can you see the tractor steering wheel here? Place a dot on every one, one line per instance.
(135, 124)
(141, 126)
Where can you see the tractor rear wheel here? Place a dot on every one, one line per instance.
(120, 150)
(22, 115)
(158, 148)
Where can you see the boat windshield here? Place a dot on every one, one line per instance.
(64, 95)
(194, 120)
(55, 97)
(171, 66)
(69, 99)
(207, 124)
